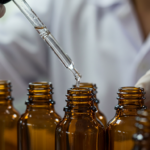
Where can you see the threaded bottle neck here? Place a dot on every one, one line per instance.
(90, 85)
(5, 90)
(131, 96)
(40, 92)
(80, 100)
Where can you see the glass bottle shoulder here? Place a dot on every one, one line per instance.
(54, 114)
(79, 124)
(9, 112)
(100, 116)
(39, 117)
(122, 123)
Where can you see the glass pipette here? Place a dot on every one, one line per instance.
(46, 36)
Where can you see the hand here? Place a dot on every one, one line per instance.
(2, 10)
(144, 82)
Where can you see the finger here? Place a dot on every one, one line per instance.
(145, 83)
(2, 10)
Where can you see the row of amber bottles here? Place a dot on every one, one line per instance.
(82, 126)
(36, 127)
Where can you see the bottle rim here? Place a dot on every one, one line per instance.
(131, 89)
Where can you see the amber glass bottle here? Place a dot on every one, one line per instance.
(8, 118)
(122, 127)
(99, 115)
(36, 127)
(142, 137)
(79, 129)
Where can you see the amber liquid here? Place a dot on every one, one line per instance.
(39, 28)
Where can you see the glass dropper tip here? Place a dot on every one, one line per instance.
(77, 76)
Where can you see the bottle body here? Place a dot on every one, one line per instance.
(122, 127)
(79, 133)
(8, 118)
(36, 127)
(79, 129)
(120, 131)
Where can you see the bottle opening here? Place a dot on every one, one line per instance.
(87, 85)
(39, 85)
(131, 89)
(79, 92)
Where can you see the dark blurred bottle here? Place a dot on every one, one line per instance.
(79, 129)
(36, 127)
(142, 137)
(4, 1)
(8, 118)
(122, 127)
(99, 115)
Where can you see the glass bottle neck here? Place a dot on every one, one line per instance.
(5, 90)
(130, 99)
(80, 102)
(39, 106)
(40, 96)
(82, 105)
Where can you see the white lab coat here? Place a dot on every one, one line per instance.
(103, 38)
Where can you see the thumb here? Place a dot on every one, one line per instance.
(2, 10)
